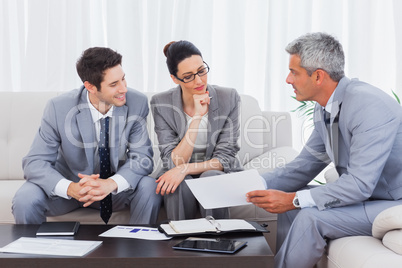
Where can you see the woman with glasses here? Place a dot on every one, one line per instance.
(197, 125)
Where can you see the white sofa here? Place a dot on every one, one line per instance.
(266, 142)
(383, 249)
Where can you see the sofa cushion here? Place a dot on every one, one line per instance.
(261, 131)
(393, 241)
(331, 175)
(387, 220)
(272, 159)
(361, 252)
(7, 190)
(252, 129)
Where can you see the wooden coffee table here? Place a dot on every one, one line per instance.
(128, 252)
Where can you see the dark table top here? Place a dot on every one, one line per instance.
(127, 252)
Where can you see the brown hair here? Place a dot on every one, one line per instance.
(176, 52)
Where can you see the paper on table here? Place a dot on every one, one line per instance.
(226, 190)
(135, 232)
(46, 246)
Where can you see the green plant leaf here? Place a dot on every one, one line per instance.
(396, 97)
(305, 109)
(319, 182)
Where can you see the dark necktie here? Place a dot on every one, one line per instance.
(327, 120)
(105, 172)
(332, 135)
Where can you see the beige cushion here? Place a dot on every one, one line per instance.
(331, 175)
(272, 159)
(393, 241)
(361, 252)
(387, 220)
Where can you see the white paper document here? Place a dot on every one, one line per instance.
(46, 246)
(226, 190)
(135, 232)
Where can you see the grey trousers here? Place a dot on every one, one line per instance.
(182, 204)
(302, 234)
(31, 205)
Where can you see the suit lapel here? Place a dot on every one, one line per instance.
(334, 126)
(335, 113)
(119, 122)
(323, 129)
(86, 128)
(213, 123)
(178, 113)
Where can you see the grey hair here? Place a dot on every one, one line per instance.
(319, 51)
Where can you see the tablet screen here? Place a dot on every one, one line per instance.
(210, 245)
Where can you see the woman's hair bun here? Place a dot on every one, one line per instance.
(165, 49)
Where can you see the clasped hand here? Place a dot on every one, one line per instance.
(90, 188)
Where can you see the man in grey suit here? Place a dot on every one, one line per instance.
(63, 165)
(362, 136)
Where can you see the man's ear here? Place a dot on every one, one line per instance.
(320, 74)
(175, 80)
(91, 88)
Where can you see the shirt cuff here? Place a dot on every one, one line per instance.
(122, 183)
(305, 199)
(61, 188)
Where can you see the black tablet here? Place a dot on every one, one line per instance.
(210, 245)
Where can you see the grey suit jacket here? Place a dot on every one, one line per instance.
(368, 157)
(65, 143)
(223, 125)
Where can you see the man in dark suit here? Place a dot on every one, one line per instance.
(357, 127)
(63, 165)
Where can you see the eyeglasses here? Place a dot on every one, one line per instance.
(191, 77)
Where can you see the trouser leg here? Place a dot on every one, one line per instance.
(31, 205)
(143, 202)
(284, 222)
(304, 245)
(307, 237)
(181, 204)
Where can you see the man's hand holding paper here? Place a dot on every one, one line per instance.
(273, 201)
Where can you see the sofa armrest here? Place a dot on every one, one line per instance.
(387, 220)
(387, 226)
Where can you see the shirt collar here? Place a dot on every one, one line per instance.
(328, 106)
(96, 115)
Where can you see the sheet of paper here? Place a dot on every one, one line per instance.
(135, 232)
(47, 246)
(226, 190)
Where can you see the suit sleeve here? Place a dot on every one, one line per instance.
(139, 161)
(168, 138)
(227, 144)
(40, 161)
(373, 129)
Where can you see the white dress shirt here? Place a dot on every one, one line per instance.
(200, 145)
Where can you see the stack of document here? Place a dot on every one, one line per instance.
(44, 246)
